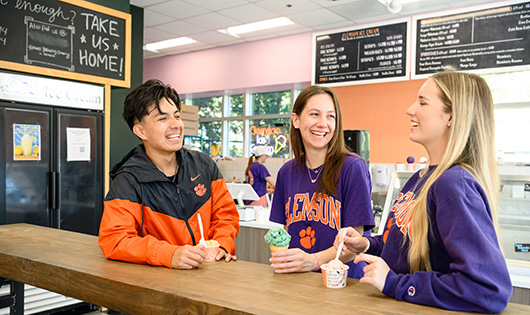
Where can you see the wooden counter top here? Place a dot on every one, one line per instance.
(72, 264)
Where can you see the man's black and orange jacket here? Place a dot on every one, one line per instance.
(148, 216)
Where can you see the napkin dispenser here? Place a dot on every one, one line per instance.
(246, 213)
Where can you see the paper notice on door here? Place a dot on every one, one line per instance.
(77, 144)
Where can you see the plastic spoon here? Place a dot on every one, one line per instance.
(202, 241)
(339, 250)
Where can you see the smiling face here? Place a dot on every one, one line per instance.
(161, 131)
(429, 121)
(316, 122)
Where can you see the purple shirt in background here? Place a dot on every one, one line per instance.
(314, 228)
(256, 178)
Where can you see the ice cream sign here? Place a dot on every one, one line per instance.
(270, 137)
(47, 91)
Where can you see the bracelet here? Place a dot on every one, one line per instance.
(367, 247)
(318, 263)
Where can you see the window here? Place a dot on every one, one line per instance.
(271, 103)
(210, 134)
(235, 138)
(511, 95)
(512, 124)
(209, 106)
(238, 122)
(235, 105)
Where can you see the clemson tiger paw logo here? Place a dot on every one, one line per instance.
(200, 190)
(307, 238)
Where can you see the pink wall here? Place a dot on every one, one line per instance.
(378, 107)
(268, 62)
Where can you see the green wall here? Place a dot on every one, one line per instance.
(122, 140)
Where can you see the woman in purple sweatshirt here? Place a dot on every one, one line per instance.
(440, 246)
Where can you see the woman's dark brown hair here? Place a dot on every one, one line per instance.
(337, 149)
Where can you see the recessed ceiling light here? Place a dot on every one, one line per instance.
(155, 47)
(256, 26)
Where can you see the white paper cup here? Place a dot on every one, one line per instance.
(333, 278)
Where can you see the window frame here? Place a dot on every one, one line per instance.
(226, 118)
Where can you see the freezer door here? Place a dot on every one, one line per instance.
(25, 143)
(80, 170)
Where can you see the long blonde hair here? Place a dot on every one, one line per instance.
(470, 145)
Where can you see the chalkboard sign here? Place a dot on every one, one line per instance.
(366, 54)
(70, 38)
(481, 39)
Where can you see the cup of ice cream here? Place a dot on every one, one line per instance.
(334, 274)
(278, 239)
(211, 250)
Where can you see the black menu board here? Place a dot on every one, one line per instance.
(71, 39)
(370, 53)
(480, 39)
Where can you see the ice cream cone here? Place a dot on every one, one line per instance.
(275, 249)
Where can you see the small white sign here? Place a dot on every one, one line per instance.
(77, 144)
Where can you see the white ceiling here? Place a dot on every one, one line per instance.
(200, 19)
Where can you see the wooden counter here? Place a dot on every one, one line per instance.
(72, 264)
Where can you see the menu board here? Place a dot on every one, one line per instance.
(480, 39)
(365, 54)
(75, 39)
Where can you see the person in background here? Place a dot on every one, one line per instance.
(322, 190)
(258, 176)
(150, 214)
(439, 246)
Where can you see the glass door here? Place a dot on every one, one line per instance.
(80, 170)
(25, 142)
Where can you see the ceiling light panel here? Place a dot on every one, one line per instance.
(256, 26)
(156, 46)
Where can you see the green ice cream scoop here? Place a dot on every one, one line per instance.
(277, 237)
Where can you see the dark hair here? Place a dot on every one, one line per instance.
(138, 102)
(337, 149)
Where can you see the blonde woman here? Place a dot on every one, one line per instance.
(439, 246)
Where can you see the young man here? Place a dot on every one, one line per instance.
(158, 189)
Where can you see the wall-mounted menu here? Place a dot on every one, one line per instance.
(493, 38)
(75, 39)
(370, 53)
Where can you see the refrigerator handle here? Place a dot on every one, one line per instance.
(54, 185)
(57, 192)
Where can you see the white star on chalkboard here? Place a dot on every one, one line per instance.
(116, 46)
(83, 38)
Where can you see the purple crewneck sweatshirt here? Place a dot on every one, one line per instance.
(469, 270)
